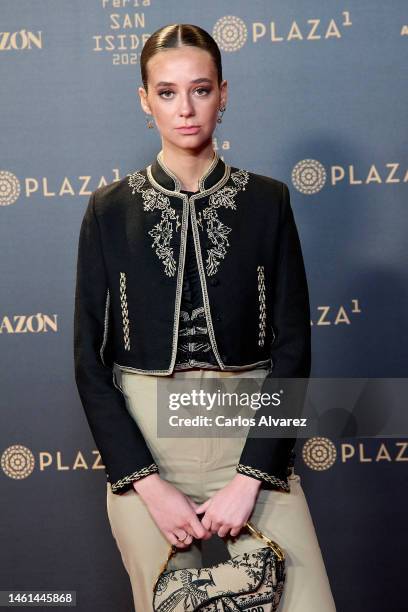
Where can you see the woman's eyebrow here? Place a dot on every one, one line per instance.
(168, 84)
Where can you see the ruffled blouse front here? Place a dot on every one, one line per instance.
(194, 346)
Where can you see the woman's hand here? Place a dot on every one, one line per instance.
(172, 511)
(228, 510)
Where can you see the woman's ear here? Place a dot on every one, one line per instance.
(223, 93)
(143, 100)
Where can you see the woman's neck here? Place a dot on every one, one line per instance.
(188, 167)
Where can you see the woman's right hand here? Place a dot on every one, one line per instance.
(172, 511)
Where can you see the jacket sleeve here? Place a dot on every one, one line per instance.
(267, 459)
(117, 436)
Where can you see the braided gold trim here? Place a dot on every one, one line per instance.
(151, 469)
(250, 471)
(262, 305)
(125, 311)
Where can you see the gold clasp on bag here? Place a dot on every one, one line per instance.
(275, 547)
(252, 529)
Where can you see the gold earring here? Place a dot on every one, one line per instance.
(149, 122)
(219, 119)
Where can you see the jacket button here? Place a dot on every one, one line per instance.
(218, 318)
(214, 282)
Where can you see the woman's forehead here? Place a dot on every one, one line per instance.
(181, 64)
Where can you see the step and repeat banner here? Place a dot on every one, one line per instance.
(317, 99)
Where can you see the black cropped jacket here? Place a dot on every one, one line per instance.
(130, 264)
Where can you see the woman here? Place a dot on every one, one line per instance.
(190, 267)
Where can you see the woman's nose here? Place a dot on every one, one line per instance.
(186, 106)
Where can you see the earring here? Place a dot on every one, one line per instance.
(219, 119)
(149, 122)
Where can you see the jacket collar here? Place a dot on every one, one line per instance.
(165, 178)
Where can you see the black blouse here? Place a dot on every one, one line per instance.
(193, 347)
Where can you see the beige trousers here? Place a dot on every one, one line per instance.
(199, 467)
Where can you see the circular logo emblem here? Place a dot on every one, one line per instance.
(230, 33)
(309, 176)
(17, 461)
(9, 188)
(319, 453)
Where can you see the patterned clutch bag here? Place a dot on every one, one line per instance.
(252, 581)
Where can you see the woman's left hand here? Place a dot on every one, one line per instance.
(228, 509)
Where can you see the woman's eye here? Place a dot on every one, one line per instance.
(166, 91)
(204, 89)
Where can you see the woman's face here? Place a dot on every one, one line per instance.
(183, 91)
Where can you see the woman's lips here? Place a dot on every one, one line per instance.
(189, 130)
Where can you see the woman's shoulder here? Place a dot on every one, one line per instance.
(266, 183)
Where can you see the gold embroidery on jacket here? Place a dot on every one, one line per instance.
(125, 312)
(162, 232)
(262, 305)
(217, 231)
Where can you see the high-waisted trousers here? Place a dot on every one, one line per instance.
(199, 467)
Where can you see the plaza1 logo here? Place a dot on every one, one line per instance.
(309, 176)
(319, 453)
(18, 461)
(232, 32)
(11, 187)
